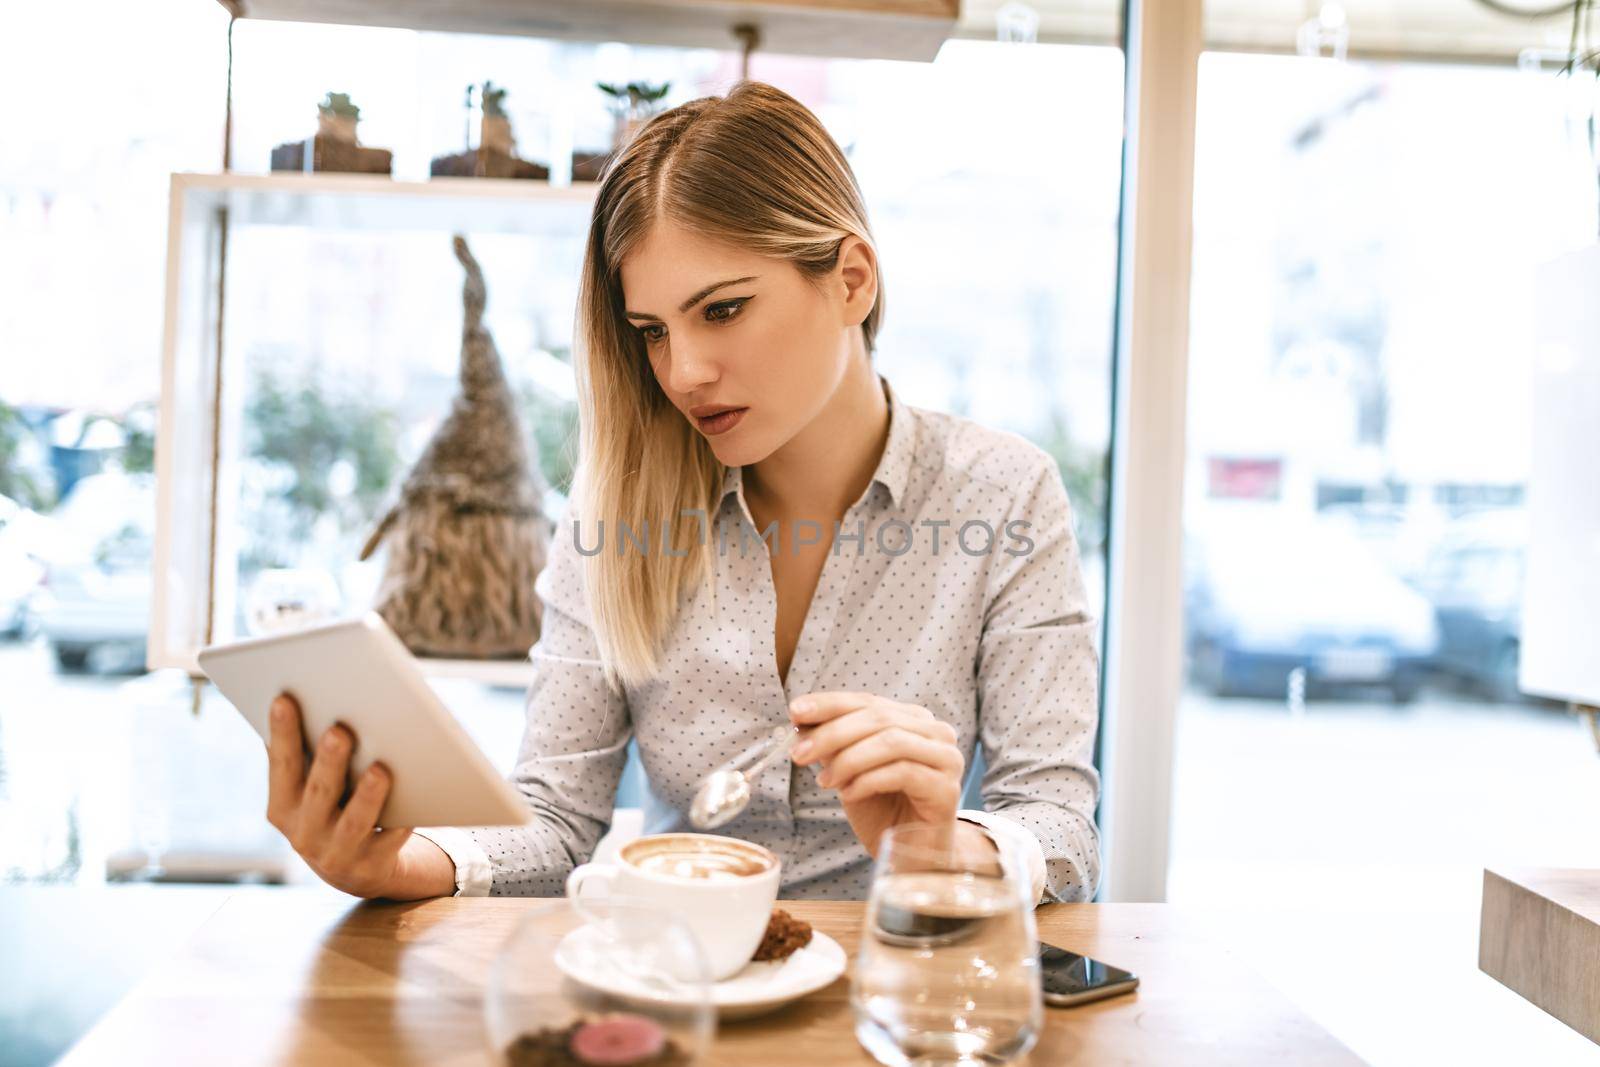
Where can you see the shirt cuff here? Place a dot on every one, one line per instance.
(473, 871)
(1000, 828)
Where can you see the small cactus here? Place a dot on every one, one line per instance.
(338, 104)
(636, 99)
(494, 101)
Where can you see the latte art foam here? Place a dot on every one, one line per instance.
(673, 859)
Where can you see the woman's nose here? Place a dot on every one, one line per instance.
(689, 369)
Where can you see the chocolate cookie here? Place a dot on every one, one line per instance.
(785, 935)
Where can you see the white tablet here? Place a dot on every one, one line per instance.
(356, 671)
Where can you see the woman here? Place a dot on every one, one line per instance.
(768, 534)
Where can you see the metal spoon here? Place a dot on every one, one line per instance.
(726, 790)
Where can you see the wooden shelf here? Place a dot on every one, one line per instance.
(856, 29)
(1422, 30)
(914, 29)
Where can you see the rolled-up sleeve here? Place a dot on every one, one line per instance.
(1038, 688)
(574, 747)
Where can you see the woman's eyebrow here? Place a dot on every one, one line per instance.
(696, 298)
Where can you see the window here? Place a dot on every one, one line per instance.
(1351, 739)
(997, 225)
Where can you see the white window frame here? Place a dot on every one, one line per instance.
(184, 446)
(1143, 672)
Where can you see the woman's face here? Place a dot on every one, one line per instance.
(743, 345)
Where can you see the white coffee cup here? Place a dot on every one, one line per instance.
(723, 889)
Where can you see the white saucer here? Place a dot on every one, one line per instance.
(758, 988)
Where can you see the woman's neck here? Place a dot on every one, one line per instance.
(825, 467)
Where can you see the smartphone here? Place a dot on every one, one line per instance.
(1069, 978)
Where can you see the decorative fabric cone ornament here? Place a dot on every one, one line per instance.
(468, 537)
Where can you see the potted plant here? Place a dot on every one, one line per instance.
(334, 147)
(337, 117)
(494, 131)
(496, 154)
(631, 106)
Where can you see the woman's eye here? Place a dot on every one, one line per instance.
(724, 311)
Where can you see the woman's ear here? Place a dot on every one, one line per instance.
(857, 271)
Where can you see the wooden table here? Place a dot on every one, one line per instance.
(1540, 935)
(306, 977)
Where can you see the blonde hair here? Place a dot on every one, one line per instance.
(755, 169)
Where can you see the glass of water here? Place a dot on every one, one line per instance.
(623, 983)
(948, 969)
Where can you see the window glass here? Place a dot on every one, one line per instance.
(1351, 739)
(995, 216)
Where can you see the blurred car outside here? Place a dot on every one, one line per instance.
(23, 535)
(1268, 594)
(1401, 536)
(94, 608)
(1474, 579)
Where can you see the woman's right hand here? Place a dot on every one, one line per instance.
(341, 843)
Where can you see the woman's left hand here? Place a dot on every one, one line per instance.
(891, 763)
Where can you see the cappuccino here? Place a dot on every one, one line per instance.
(695, 857)
(723, 888)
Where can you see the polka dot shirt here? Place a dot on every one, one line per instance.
(963, 593)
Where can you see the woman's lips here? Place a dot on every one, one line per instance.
(721, 422)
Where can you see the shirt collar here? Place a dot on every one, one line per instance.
(894, 466)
